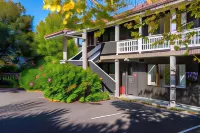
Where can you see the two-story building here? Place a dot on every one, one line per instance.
(136, 67)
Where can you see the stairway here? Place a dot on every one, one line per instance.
(93, 58)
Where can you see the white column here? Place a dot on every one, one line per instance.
(117, 33)
(172, 102)
(84, 49)
(65, 48)
(117, 37)
(116, 78)
(140, 39)
(117, 64)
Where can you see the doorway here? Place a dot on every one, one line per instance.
(132, 79)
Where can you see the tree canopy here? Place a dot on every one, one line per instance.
(82, 14)
(16, 34)
(54, 47)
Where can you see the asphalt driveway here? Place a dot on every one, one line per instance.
(29, 112)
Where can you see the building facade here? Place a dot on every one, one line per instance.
(136, 67)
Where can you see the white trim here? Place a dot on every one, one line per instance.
(159, 49)
(76, 54)
(94, 50)
(94, 57)
(46, 38)
(75, 60)
(190, 129)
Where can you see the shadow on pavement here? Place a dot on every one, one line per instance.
(28, 118)
(150, 119)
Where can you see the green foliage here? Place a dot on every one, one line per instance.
(97, 97)
(63, 82)
(176, 47)
(15, 25)
(53, 47)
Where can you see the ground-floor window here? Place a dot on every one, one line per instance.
(152, 74)
(109, 68)
(159, 74)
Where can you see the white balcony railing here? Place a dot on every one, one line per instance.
(142, 45)
(147, 44)
(194, 41)
(127, 46)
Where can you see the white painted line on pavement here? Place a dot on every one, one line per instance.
(190, 129)
(106, 116)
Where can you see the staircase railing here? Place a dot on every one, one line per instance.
(107, 80)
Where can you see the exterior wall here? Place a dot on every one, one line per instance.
(189, 95)
(108, 48)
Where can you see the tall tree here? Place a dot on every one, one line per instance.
(53, 47)
(16, 27)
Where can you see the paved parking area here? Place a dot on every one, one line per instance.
(29, 112)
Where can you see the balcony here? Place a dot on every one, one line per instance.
(145, 45)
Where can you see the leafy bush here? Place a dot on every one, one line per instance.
(64, 82)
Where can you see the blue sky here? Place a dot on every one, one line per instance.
(34, 8)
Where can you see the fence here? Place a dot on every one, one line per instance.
(9, 76)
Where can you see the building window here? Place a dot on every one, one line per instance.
(152, 74)
(105, 67)
(130, 69)
(166, 74)
(181, 78)
(112, 68)
(160, 75)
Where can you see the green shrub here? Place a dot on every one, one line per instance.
(82, 99)
(63, 82)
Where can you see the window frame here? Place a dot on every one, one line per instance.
(159, 75)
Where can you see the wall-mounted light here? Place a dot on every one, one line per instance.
(126, 59)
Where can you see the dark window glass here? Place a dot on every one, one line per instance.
(130, 69)
(112, 69)
(105, 67)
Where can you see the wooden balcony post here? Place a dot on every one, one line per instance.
(172, 102)
(117, 37)
(84, 49)
(140, 45)
(140, 39)
(117, 33)
(65, 40)
(116, 78)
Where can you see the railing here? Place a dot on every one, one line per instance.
(143, 45)
(193, 41)
(127, 46)
(8, 76)
(147, 44)
(107, 80)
